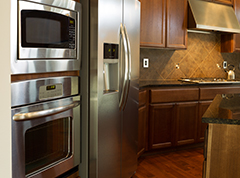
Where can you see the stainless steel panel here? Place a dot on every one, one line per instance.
(130, 114)
(211, 16)
(19, 128)
(93, 87)
(64, 60)
(84, 91)
(109, 133)
(26, 92)
(105, 139)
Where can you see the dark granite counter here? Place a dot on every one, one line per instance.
(160, 83)
(225, 109)
(171, 83)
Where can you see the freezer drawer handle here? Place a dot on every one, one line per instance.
(44, 113)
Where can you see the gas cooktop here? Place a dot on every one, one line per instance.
(208, 80)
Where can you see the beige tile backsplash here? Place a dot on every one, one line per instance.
(202, 59)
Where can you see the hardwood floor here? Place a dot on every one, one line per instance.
(179, 164)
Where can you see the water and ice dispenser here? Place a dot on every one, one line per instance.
(110, 67)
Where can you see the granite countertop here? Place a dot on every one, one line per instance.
(161, 83)
(225, 109)
(158, 83)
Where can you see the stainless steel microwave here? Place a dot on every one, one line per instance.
(48, 36)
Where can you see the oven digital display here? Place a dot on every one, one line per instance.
(51, 87)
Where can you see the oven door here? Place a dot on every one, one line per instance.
(46, 138)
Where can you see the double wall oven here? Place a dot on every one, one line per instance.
(45, 38)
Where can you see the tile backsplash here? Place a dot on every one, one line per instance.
(202, 59)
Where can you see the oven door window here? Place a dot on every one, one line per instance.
(42, 29)
(47, 144)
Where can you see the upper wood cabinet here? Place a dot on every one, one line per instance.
(231, 42)
(164, 24)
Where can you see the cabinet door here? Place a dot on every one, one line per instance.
(161, 125)
(231, 42)
(187, 119)
(177, 24)
(142, 130)
(203, 105)
(152, 32)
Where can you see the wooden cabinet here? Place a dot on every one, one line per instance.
(173, 117)
(142, 122)
(164, 24)
(231, 42)
(152, 33)
(186, 126)
(176, 24)
(161, 125)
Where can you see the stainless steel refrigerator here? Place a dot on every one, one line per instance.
(114, 73)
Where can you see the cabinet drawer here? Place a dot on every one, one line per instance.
(210, 92)
(174, 95)
(142, 97)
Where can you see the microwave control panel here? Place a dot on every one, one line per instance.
(50, 91)
(72, 33)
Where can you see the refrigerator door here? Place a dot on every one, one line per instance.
(131, 21)
(109, 122)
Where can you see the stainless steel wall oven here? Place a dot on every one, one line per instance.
(45, 127)
(46, 36)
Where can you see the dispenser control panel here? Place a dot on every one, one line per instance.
(110, 51)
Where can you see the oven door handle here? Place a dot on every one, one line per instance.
(44, 113)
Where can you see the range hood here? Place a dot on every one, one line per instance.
(208, 16)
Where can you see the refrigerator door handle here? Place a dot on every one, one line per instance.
(129, 67)
(125, 78)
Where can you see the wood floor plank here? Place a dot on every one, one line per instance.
(179, 164)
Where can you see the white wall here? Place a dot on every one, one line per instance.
(5, 91)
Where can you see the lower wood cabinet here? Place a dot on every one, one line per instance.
(172, 117)
(172, 124)
(161, 125)
(142, 129)
(186, 123)
(142, 122)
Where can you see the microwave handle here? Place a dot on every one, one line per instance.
(44, 113)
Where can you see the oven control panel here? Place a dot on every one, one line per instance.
(50, 91)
